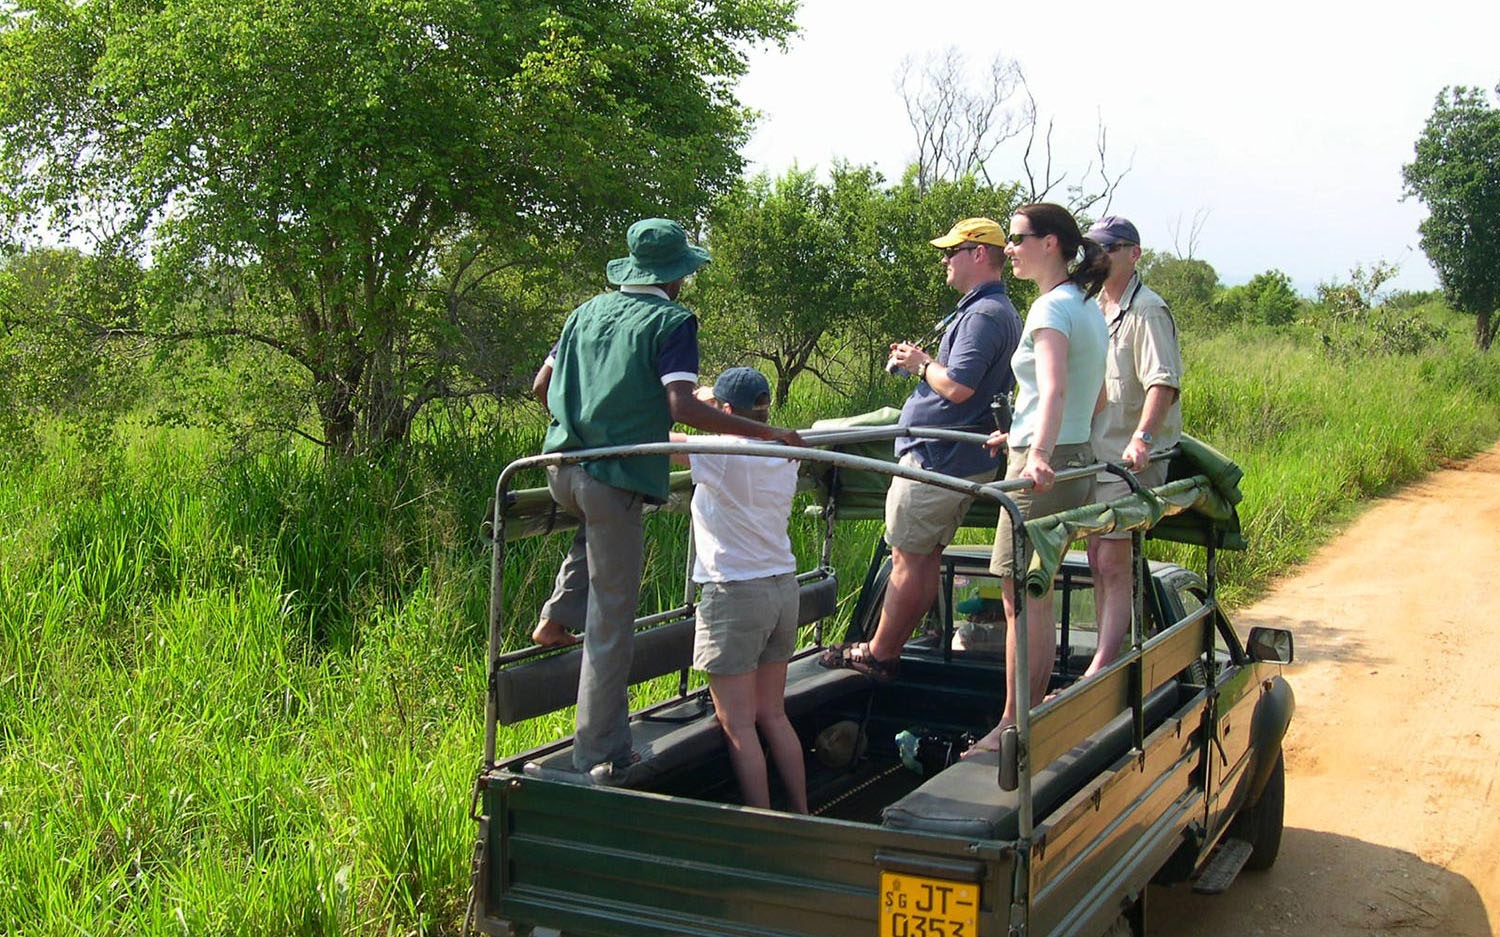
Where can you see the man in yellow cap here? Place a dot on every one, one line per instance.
(954, 390)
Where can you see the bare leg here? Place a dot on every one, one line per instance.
(781, 738)
(909, 593)
(1110, 562)
(734, 705)
(1041, 634)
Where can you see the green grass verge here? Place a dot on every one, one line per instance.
(245, 697)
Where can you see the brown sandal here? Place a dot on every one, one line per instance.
(858, 657)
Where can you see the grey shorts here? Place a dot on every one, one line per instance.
(742, 625)
(1108, 487)
(1060, 497)
(921, 518)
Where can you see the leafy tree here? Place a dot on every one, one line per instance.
(907, 282)
(298, 173)
(809, 274)
(1354, 299)
(1358, 320)
(52, 361)
(1456, 173)
(786, 259)
(1268, 298)
(1187, 284)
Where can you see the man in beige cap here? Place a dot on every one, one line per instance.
(954, 390)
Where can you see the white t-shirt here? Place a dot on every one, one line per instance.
(1065, 309)
(740, 510)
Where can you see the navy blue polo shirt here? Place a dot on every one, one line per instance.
(976, 349)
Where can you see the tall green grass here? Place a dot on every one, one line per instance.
(1318, 435)
(239, 701)
(245, 696)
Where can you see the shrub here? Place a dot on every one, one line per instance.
(1267, 299)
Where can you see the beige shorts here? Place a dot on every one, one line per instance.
(1108, 487)
(744, 624)
(921, 518)
(1060, 497)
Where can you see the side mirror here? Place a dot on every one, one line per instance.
(1270, 644)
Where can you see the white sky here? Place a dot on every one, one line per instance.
(1288, 121)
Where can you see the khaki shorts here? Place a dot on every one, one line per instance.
(1108, 487)
(742, 625)
(1060, 497)
(921, 518)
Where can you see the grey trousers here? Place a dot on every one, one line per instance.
(609, 548)
(569, 603)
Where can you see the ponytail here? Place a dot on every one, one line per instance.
(1090, 272)
(1091, 269)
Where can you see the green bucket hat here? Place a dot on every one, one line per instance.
(659, 253)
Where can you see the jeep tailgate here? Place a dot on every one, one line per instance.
(591, 861)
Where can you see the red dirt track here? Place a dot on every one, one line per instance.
(1393, 813)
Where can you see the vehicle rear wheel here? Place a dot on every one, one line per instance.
(1260, 823)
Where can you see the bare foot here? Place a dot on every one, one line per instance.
(549, 633)
(990, 742)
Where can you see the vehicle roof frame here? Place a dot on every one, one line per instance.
(997, 492)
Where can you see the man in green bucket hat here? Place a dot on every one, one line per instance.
(622, 373)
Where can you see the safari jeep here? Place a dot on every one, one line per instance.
(1166, 767)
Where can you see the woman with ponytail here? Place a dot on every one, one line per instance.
(1059, 368)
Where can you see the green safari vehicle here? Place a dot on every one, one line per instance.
(1165, 768)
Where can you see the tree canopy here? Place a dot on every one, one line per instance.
(787, 259)
(806, 272)
(1267, 299)
(292, 174)
(1186, 283)
(1456, 173)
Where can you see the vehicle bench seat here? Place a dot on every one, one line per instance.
(965, 798)
(685, 734)
(545, 685)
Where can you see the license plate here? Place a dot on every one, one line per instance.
(918, 906)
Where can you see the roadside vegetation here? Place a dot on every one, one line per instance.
(255, 389)
(241, 694)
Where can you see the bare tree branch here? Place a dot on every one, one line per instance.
(1195, 231)
(187, 335)
(958, 129)
(1083, 200)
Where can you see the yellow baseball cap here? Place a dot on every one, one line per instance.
(977, 230)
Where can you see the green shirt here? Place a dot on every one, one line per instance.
(606, 387)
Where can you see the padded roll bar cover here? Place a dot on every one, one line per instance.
(537, 687)
(820, 599)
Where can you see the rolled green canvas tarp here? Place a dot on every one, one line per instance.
(1197, 513)
(531, 511)
(1196, 505)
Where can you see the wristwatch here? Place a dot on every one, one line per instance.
(1142, 435)
(922, 371)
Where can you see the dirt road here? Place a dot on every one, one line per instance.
(1393, 808)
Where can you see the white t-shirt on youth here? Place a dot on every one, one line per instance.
(740, 509)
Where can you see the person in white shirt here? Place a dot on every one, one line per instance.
(747, 613)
